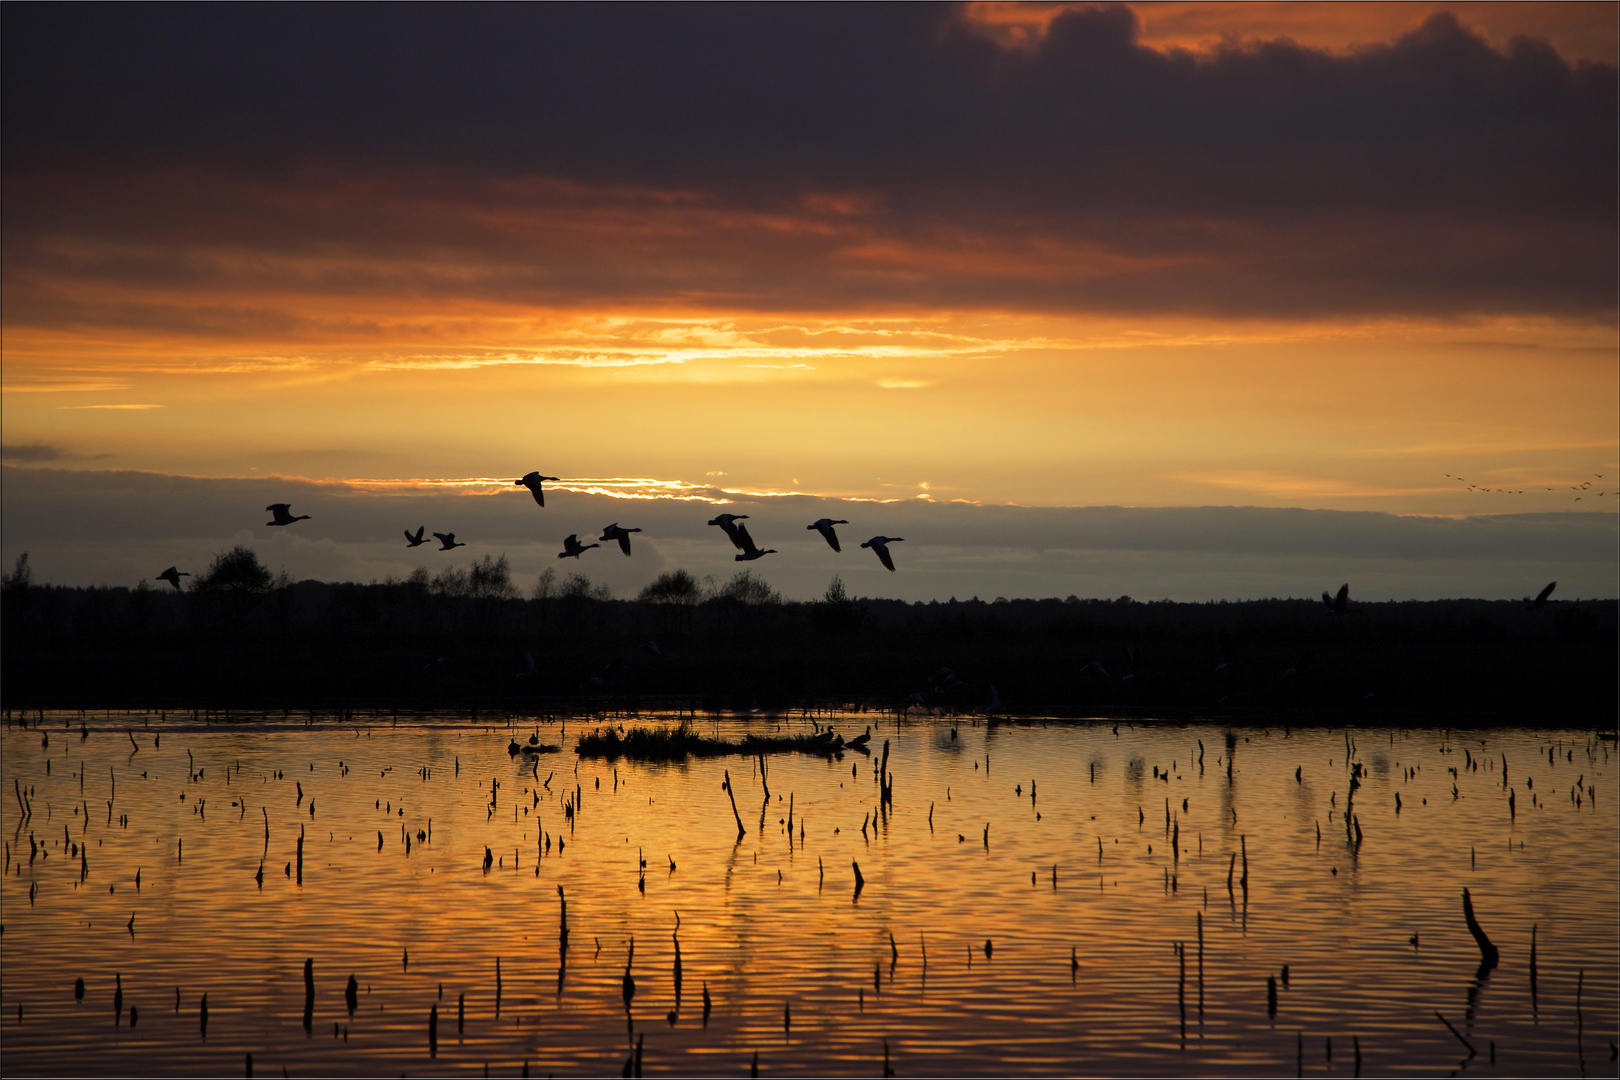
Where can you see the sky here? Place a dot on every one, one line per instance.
(983, 276)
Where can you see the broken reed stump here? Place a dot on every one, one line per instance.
(741, 832)
(885, 781)
(433, 1031)
(676, 937)
(300, 854)
(309, 993)
(562, 932)
(1200, 918)
(860, 882)
(1181, 987)
(1488, 954)
(1533, 964)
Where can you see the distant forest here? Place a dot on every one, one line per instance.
(238, 638)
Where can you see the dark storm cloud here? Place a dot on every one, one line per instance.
(808, 156)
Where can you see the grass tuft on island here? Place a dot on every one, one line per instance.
(681, 743)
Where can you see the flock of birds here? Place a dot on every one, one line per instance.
(747, 549)
(573, 547)
(1581, 489)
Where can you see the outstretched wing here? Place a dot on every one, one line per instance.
(1342, 601)
(279, 509)
(1541, 598)
(624, 541)
(883, 553)
(739, 536)
(832, 537)
(531, 480)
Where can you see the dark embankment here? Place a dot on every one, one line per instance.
(409, 646)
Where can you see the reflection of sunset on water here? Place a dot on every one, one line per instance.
(1099, 331)
(1340, 917)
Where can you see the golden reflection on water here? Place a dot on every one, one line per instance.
(1049, 842)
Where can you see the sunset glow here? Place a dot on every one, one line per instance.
(1066, 538)
(1319, 314)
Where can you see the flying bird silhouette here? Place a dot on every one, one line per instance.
(880, 544)
(173, 576)
(573, 549)
(750, 551)
(1340, 604)
(415, 539)
(728, 524)
(1541, 599)
(447, 541)
(825, 527)
(614, 532)
(283, 515)
(532, 481)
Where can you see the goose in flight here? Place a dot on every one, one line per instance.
(750, 551)
(1540, 600)
(573, 549)
(880, 544)
(173, 576)
(532, 481)
(614, 532)
(1340, 604)
(447, 541)
(415, 539)
(283, 514)
(728, 523)
(825, 527)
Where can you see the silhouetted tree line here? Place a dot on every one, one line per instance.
(239, 638)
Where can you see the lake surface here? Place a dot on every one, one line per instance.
(1023, 909)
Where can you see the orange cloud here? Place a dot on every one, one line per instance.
(1579, 31)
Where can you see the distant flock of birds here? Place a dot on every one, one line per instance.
(573, 548)
(1583, 486)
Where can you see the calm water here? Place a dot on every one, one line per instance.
(770, 925)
